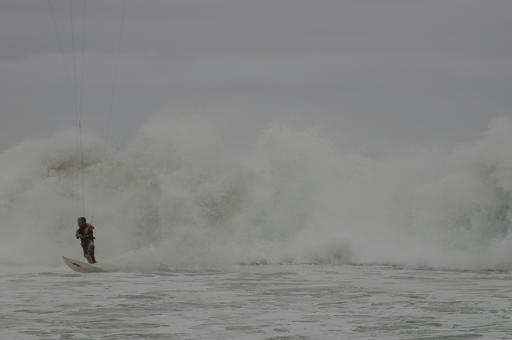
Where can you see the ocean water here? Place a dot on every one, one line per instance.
(256, 302)
(286, 238)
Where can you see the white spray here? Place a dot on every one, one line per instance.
(177, 197)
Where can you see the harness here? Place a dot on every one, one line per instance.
(89, 236)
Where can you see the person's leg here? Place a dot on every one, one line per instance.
(84, 248)
(91, 252)
(86, 245)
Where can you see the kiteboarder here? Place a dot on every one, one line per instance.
(85, 234)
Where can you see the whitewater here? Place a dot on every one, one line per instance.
(287, 238)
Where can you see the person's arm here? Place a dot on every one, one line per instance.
(78, 234)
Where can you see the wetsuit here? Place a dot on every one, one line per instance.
(86, 236)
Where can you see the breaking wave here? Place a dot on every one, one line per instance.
(177, 196)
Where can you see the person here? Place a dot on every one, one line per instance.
(85, 234)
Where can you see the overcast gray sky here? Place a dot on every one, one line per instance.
(378, 75)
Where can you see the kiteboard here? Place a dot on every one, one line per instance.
(82, 267)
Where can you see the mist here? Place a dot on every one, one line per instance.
(379, 77)
(178, 196)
